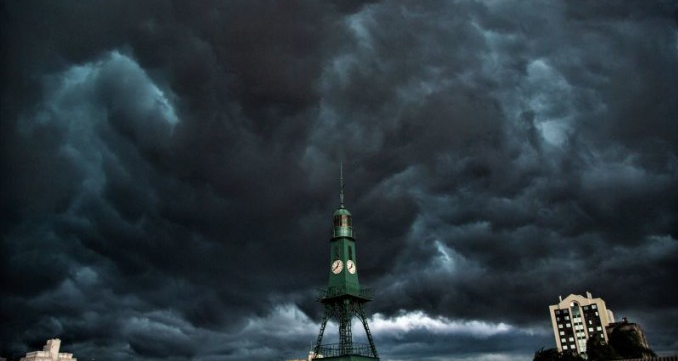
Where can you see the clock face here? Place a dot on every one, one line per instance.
(350, 267)
(337, 266)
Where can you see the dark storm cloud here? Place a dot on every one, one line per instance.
(169, 170)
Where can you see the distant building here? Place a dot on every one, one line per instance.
(310, 357)
(576, 318)
(50, 352)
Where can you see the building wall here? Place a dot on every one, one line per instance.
(53, 346)
(576, 318)
(659, 358)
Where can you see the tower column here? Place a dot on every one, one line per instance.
(345, 335)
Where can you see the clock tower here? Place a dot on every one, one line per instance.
(344, 298)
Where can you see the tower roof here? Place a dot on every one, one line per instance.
(341, 211)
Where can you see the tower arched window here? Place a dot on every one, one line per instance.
(342, 220)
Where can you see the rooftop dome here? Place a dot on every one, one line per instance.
(343, 223)
(342, 211)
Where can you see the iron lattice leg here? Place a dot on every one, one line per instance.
(344, 310)
(363, 319)
(326, 316)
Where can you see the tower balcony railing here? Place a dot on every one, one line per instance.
(337, 349)
(331, 292)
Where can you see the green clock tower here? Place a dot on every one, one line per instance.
(344, 297)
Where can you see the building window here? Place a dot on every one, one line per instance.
(560, 325)
(593, 306)
(590, 329)
(562, 333)
(565, 347)
(342, 221)
(598, 328)
(571, 338)
(562, 340)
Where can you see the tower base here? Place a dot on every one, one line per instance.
(348, 358)
(339, 352)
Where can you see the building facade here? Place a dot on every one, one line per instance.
(576, 318)
(50, 352)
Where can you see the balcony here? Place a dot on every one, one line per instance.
(357, 291)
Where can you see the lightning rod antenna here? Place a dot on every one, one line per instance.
(341, 182)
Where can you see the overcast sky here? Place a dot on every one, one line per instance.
(170, 170)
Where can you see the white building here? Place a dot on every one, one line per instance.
(49, 353)
(575, 319)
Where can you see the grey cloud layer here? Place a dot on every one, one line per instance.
(169, 169)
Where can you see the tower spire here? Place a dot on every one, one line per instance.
(341, 184)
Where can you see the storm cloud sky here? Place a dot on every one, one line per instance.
(170, 169)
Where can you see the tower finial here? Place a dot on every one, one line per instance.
(341, 182)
